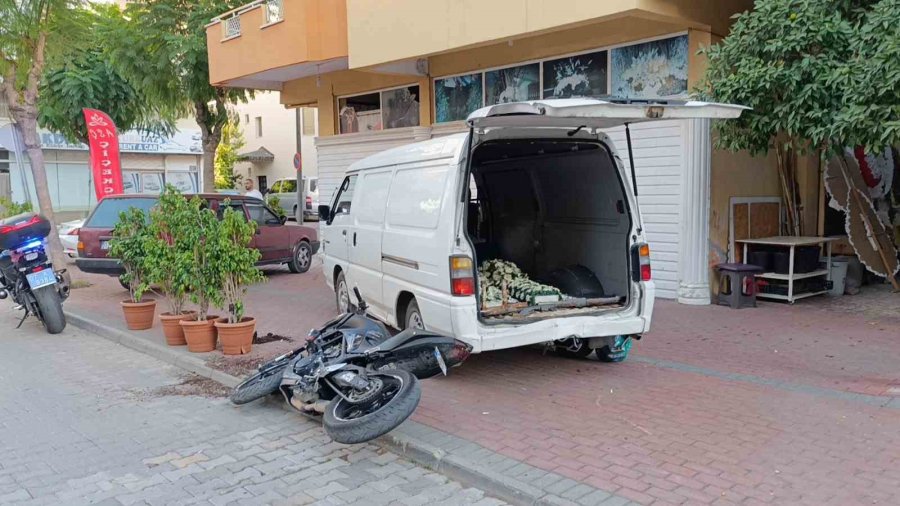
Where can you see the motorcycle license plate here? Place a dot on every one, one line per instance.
(41, 278)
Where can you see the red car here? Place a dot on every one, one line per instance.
(278, 243)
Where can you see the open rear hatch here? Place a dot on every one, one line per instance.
(548, 202)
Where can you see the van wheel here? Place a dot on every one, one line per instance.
(302, 258)
(342, 295)
(572, 347)
(414, 318)
(618, 351)
(297, 217)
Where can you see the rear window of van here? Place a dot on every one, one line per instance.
(106, 215)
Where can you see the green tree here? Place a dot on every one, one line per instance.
(819, 74)
(86, 79)
(161, 49)
(870, 115)
(33, 32)
(227, 155)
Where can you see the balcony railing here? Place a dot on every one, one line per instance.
(231, 21)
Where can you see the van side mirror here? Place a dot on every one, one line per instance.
(325, 212)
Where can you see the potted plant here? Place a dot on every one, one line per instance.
(204, 277)
(238, 270)
(169, 261)
(129, 243)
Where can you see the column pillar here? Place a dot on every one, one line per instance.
(693, 266)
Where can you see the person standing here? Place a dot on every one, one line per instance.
(250, 190)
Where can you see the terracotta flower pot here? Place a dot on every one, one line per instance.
(172, 329)
(139, 315)
(237, 338)
(200, 335)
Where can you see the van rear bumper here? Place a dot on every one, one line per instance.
(627, 321)
(108, 266)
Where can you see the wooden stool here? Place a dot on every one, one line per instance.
(737, 275)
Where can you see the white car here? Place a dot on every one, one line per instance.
(68, 236)
(539, 184)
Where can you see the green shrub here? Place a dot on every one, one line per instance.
(169, 251)
(131, 243)
(237, 261)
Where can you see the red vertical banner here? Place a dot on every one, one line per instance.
(104, 143)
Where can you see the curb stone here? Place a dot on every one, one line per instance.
(408, 440)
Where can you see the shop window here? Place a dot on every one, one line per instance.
(4, 161)
(396, 108)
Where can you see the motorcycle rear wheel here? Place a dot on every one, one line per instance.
(351, 423)
(50, 307)
(257, 386)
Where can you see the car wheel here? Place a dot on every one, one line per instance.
(618, 351)
(572, 347)
(414, 318)
(124, 283)
(342, 294)
(302, 258)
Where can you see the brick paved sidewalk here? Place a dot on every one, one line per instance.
(84, 421)
(780, 404)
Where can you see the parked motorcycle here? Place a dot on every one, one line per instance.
(27, 274)
(353, 372)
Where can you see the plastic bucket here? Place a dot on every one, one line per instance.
(838, 275)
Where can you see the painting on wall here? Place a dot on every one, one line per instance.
(400, 107)
(512, 84)
(456, 97)
(655, 69)
(583, 75)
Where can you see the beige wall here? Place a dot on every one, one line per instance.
(391, 30)
(279, 135)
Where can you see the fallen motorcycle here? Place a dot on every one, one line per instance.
(27, 274)
(353, 372)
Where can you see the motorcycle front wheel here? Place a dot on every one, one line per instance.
(377, 412)
(50, 307)
(257, 386)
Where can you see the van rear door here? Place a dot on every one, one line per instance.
(593, 113)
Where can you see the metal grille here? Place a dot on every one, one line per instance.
(231, 27)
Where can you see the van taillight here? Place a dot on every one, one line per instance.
(640, 262)
(462, 276)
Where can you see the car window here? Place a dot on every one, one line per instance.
(288, 186)
(106, 214)
(237, 206)
(276, 188)
(261, 215)
(344, 196)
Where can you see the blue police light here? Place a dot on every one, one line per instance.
(32, 244)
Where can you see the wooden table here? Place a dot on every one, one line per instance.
(790, 277)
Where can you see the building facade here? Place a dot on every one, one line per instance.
(273, 135)
(382, 74)
(148, 163)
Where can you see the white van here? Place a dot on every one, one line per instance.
(286, 191)
(535, 183)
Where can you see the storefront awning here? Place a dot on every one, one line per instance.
(260, 155)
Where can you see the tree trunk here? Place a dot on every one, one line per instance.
(210, 145)
(26, 123)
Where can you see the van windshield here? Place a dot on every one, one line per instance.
(106, 215)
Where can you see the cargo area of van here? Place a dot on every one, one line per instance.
(553, 216)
